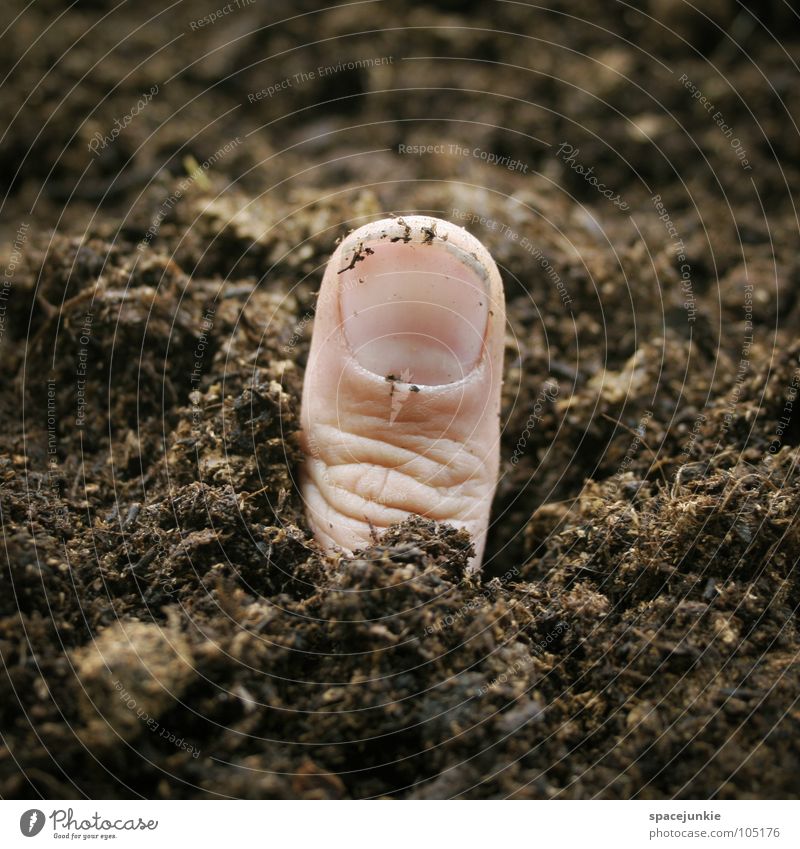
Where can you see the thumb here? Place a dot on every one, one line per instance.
(401, 400)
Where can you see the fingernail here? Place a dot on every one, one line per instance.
(414, 305)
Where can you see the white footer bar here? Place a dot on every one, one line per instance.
(401, 825)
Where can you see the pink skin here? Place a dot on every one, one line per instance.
(419, 300)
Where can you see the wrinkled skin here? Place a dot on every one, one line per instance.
(401, 399)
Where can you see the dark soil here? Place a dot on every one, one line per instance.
(168, 628)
